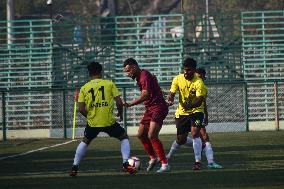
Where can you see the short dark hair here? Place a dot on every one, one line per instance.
(201, 71)
(190, 63)
(130, 61)
(94, 68)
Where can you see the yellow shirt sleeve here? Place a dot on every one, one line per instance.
(81, 95)
(115, 90)
(200, 89)
(174, 87)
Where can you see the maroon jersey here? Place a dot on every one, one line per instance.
(147, 81)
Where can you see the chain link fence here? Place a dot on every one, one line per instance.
(265, 105)
(232, 107)
(50, 55)
(51, 112)
(225, 108)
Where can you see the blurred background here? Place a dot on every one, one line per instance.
(90, 8)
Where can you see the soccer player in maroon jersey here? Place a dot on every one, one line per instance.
(156, 111)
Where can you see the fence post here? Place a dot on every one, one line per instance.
(124, 110)
(4, 116)
(276, 106)
(64, 114)
(246, 111)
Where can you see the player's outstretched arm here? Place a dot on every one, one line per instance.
(195, 104)
(144, 96)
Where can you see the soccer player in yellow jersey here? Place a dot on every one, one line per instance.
(96, 103)
(190, 111)
(206, 145)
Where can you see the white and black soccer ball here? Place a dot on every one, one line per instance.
(135, 162)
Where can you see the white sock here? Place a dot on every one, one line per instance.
(188, 142)
(164, 165)
(80, 152)
(197, 147)
(175, 146)
(125, 150)
(209, 152)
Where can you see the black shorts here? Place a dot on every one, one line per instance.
(203, 126)
(114, 130)
(185, 122)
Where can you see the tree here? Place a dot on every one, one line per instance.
(91, 8)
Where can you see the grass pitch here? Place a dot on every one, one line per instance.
(251, 160)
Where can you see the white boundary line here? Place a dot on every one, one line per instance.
(40, 149)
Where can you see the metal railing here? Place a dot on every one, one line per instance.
(230, 108)
(241, 52)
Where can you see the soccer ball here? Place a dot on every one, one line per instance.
(135, 162)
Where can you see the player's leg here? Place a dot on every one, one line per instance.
(146, 142)
(180, 140)
(196, 122)
(81, 151)
(158, 116)
(174, 147)
(158, 146)
(183, 127)
(118, 132)
(148, 147)
(89, 134)
(208, 150)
